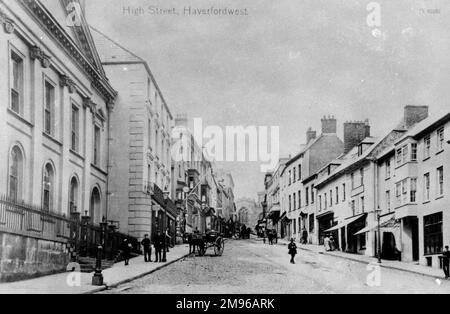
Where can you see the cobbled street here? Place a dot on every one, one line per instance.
(249, 266)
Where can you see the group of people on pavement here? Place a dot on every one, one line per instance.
(329, 243)
(271, 235)
(158, 245)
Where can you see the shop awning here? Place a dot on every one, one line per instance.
(386, 222)
(346, 222)
(323, 214)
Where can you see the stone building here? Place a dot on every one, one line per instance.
(299, 176)
(348, 192)
(412, 192)
(197, 193)
(272, 204)
(140, 161)
(55, 125)
(248, 212)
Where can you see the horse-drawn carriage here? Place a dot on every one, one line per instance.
(202, 242)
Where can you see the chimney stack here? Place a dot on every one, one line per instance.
(354, 133)
(181, 120)
(414, 114)
(329, 125)
(310, 135)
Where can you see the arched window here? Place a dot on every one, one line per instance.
(73, 196)
(15, 173)
(94, 207)
(48, 187)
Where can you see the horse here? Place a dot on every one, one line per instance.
(195, 241)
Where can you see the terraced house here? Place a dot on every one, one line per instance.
(299, 176)
(356, 191)
(413, 189)
(55, 124)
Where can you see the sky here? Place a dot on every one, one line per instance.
(288, 63)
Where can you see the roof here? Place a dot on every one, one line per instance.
(111, 52)
(305, 148)
(414, 131)
(351, 161)
(417, 130)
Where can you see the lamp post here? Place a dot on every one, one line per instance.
(97, 278)
(378, 213)
(164, 223)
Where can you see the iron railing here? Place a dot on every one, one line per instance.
(79, 233)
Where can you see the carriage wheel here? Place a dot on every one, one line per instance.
(202, 250)
(219, 246)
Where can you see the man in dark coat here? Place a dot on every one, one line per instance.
(147, 245)
(446, 262)
(159, 244)
(292, 247)
(126, 251)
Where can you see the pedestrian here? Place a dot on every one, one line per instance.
(168, 239)
(446, 262)
(292, 247)
(264, 237)
(304, 236)
(126, 251)
(326, 243)
(158, 243)
(332, 244)
(147, 245)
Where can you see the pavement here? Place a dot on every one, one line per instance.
(117, 275)
(412, 267)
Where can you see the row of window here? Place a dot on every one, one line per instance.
(49, 115)
(309, 191)
(406, 190)
(162, 147)
(292, 175)
(16, 180)
(153, 95)
(333, 197)
(408, 152)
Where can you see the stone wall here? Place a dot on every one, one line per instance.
(23, 257)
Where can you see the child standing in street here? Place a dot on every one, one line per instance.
(292, 250)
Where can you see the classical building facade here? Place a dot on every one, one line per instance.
(54, 120)
(55, 117)
(140, 154)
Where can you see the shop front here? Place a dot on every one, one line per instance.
(325, 222)
(346, 234)
(390, 236)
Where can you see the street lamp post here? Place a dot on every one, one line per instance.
(164, 225)
(378, 212)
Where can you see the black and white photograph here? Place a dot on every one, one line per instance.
(235, 148)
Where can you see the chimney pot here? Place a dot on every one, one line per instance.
(354, 133)
(310, 135)
(329, 125)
